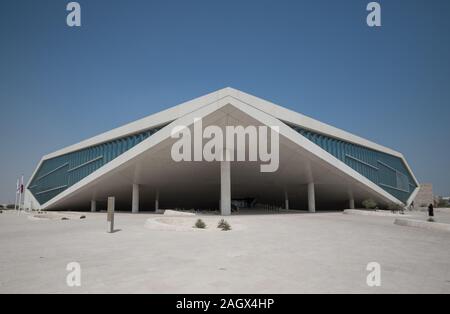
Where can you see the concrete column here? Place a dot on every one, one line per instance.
(157, 201)
(311, 198)
(225, 188)
(110, 214)
(351, 203)
(135, 199)
(93, 206)
(286, 200)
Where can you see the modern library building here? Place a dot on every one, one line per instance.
(317, 166)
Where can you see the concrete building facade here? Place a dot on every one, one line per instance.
(424, 196)
(320, 166)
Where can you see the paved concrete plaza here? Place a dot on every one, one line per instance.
(273, 253)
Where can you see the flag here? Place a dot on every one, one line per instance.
(18, 187)
(21, 186)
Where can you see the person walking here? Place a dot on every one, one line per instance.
(430, 212)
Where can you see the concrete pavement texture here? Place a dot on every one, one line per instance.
(266, 253)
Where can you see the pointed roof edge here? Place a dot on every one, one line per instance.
(184, 108)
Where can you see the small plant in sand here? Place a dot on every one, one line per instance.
(200, 224)
(221, 222)
(224, 225)
(430, 219)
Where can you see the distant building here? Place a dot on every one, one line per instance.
(425, 195)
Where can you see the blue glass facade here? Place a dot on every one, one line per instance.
(387, 171)
(59, 173)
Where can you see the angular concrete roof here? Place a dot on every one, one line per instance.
(185, 108)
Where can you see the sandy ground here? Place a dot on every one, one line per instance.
(286, 253)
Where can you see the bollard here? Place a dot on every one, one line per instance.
(110, 215)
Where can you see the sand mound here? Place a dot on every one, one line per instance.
(169, 212)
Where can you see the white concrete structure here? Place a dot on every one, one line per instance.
(311, 198)
(320, 166)
(351, 204)
(157, 200)
(135, 199)
(225, 187)
(286, 200)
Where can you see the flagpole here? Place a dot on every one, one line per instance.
(17, 192)
(23, 194)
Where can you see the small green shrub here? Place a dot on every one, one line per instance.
(430, 219)
(221, 223)
(10, 206)
(394, 207)
(224, 225)
(369, 204)
(200, 224)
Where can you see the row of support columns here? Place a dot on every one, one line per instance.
(311, 199)
(225, 194)
(134, 200)
(225, 191)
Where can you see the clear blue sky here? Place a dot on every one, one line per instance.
(60, 85)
